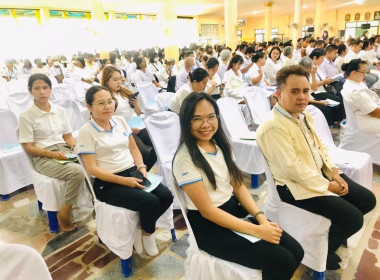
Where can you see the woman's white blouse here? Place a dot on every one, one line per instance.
(233, 85)
(271, 68)
(141, 77)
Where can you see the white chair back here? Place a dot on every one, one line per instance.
(8, 124)
(17, 86)
(73, 112)
(351, 124)
(63, 91)
(164, 130)
(258, 103)
(148, 92)
(321, 126)
(18, 102)
(163, 100)
(232, 118)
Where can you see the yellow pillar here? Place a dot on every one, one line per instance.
(268, 20)
(230, 21)
(297, 31)
(318, 18)
(13, 13)
(97, 11)
(169, 20)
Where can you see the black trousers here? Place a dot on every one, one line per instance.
(145, 146)
(150, 205)
(277, 262)
(332, 114)
(345, 212)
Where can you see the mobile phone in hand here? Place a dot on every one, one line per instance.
(134, 96)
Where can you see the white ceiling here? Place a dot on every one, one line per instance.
(209, 8)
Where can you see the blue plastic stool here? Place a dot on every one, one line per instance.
(39, 205)
(53, 221)
(126, 267)
(174, 237)
(5, 197)
(254, 180)
(318, 275)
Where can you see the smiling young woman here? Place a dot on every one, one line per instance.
(216, 197)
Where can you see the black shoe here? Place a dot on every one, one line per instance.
(332, 262)
(336, 257)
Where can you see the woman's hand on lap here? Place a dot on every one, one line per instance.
(133, 182)
(270, 232)
(59, 155)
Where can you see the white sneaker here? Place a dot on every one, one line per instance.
(150, 245)
(138, 242)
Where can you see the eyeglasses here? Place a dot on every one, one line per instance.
(103, 103)
(363, 72)
(211, 119)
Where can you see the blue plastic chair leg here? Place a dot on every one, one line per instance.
(174, 237)
(53, 221)
(318, 275)
(39, 205)
(254, 180)
(5, 197)
(126, 267)
(100, 241)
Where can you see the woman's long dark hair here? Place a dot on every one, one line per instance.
(185, 116)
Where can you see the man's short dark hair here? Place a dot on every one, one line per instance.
(285, 72)
(331, 48)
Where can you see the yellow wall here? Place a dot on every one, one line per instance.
(334, 18)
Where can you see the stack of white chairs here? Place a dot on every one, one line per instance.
(236, 129)
(356, 165)
(164, 130)
(309, 229)
(201, 265)
(148, 93)
(13, 163)
(117, 227)
(356, 140)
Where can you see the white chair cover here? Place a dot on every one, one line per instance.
(164, 131)
(163, 100)
(19, 262)
(73, 113)
(258, 103)
(117, 226)
(235, 127)
(12, 164)
(309, 229)
(17, 86)
(201, 265)
(148, 92)
(356, 165)
(64, 91)
(18, 102)
(356, 140)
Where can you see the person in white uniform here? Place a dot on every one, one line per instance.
(217, 199)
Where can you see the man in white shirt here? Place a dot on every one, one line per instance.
(310, 47)
(10, 71)
(39, 68)
(370, 79)
(327, 66)
(58, 72)
(296, 55)
(184, 73)
(247, 57)
(377, 46)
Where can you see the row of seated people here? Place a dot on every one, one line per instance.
(203, 126)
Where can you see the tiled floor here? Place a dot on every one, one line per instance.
(78, 255)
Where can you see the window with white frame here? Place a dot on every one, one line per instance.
(259, 34)
(355, 29)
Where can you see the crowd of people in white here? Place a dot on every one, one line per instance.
(340, 74)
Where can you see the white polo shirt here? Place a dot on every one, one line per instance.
(44, 129)
(111, 148)
(254, 73)
(185, 173)
(216, 79)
